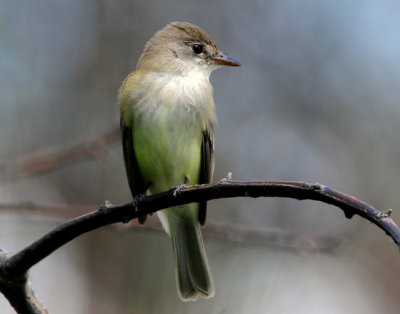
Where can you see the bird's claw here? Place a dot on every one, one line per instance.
(137, 200)
(176, 189)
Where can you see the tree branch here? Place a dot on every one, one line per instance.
(18, 290)
(16, 266)
(44, 160)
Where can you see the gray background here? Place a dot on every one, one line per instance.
(317, 99)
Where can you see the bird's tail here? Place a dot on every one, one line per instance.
(193, 273)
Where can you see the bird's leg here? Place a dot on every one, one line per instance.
(135, 202)
(176, 189)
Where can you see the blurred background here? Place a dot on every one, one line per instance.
(317, 100)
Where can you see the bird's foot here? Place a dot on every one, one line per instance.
(176, 189)
(135, 202)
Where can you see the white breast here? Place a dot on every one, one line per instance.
(188, 95)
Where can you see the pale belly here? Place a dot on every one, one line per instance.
(167, 152)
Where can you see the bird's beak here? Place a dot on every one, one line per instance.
(221, 59)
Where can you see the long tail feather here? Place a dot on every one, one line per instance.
(193, 272)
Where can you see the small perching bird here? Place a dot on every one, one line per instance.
(167, 116)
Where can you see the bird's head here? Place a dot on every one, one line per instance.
(183, 47)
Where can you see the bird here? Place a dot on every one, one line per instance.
(167, 117)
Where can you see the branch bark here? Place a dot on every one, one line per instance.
(14, 268)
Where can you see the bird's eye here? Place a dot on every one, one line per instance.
(197, 48)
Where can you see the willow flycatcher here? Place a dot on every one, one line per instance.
(167, 116)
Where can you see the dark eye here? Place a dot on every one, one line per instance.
(197, 48)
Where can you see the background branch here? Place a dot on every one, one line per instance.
(223, 231)
(43, 160)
